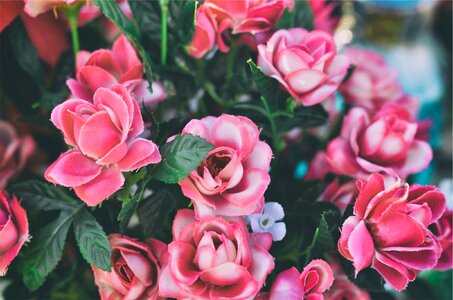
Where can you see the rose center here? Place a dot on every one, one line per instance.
(216, 163)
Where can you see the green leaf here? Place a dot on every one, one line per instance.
(131, 204)
(43, 196)
(268, 87)
(180, 157)
(301, 16)
(147, 15)
(92, 241)
(46, 249)
(305, 117)
(185, 25)
(154, 210)
(113, 12)
(25, 53)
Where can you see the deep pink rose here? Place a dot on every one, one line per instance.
(342, 288)
(442, 229)
(231, 181)
(215, 258)
(204, 37)
(323, 15)
(315, 279)
(36, 7)
(389, 230)
(104, 135)
(385, 142)
(104, 68)
(305, 63)
(13, 229)
(340, 195)
(14, 151)
(244, 17)
(135, 269)
(372, 83)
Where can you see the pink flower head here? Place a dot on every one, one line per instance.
(305, 63)
(384, 143)
(322, 15)
(315, 279)
(36, 7)
(104, 134)
(372, 83)
(135, 269)
(389, 230)
(340, 194)
(244, 17)
(104, 68)
(14, 152)
(231, 181)
(442, 229)
(13, 229)
(204, 37)
(215, 258)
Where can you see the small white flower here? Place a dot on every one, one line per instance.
(267, 221)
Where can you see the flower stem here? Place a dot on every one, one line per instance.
(72, 14)
(230, 62)
(163, 31)
(276, 143)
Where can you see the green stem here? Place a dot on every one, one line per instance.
(230, 62)
(275, 139)
(72, 14)
(163, 31)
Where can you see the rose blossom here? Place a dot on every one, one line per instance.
(14, 151)
(215, 258)
(244, 17)
(384, 143)
(305, 63)
(231, 181)
(13, 229)
(322, 15)
(372, 83)
(204, 37)
(315, 279)
(104, 135)
(389, 230)
(36, 7)
(135, 269)
(104, 68)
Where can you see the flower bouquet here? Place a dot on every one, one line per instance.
(209, 150)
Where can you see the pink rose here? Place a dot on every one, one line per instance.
(215, 258)
(323, 15)
(305, 63)
(231, 181)
(37, 7)
(244, 17)
(389, 230)
(14, 152)
(315, 279)
(372, 83)
(104, 135)
(204, 37)
(341, 195)
(104, 68)
(135, 269)
(442, 229)
(13, 229)
(318, 168)
(385, 142)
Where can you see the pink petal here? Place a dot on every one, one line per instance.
(243, 290)
(141, 153)
(229, 131)
(395, 277)
(181, 264)
(251, 188)
(287, 286)
(262, 264)
(72, 169)
(324, 276)
(361, 247)
(348, 226)
(260, 157)
(95, 78)
(304, 80)
(225, 274)
(291, 60)
(183, 218)
(167, 285)
(431, 196)
(418, 158)
(340, 157)
(125, 54)
(101, 187)
(367, 190)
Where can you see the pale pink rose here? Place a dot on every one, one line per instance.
(244, 17)
(385, 142)
(204, 37)
(135, 269)
(323, 15)
(104, 68)
(13, 229)
(14, 151)
(89, 12)
(342, 288)
(36, 7)
(315, 279)
(215, 258)
(389, 230)
(305, 63)
(104, 135)
(372, 83)
(231, 181)
(341, 195)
